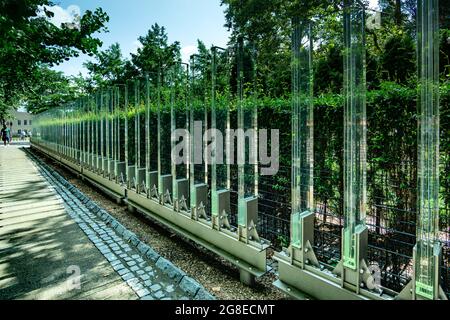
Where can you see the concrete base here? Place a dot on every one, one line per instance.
(247, 278)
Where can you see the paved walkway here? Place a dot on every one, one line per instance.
(43, 252)
(56, 243)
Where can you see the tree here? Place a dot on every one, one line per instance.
(29, 40)
(155, 52)
(51, 89)
(109, 67)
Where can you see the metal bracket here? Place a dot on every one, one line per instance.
(411, 292)
(199, 200)
(361, 276)
(220, 209)
(302, 253)
(166, 189)
(140, 180)
(182, 195)
(152, 184)
(247, 227)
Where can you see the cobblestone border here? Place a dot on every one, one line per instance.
(111, 237)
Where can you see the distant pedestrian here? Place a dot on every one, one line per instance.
(6, 135)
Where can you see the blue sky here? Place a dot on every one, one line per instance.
(185, 21)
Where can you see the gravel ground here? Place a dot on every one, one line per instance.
(215, 274)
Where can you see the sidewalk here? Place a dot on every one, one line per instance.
(41, 248)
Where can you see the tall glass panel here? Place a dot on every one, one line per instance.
(247, 141)
(355, 128)
(151, 129)
(198, 124)
(179, 121)
(220, 124)
(302, 126)
(428, 166)
(164, 137)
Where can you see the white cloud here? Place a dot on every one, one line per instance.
(71, 15)
(135, 46)
(186, 53)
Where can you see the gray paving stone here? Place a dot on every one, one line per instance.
(159, 295)
(137, 286)
(115, 262)
(169, 269)
(145, 277)
(152, 255)
(128, 276)
(119, 267)
(147, 298)
(170, 289)
(131, 263)
(143, 248)
(139, 260)
(142, 293)
(140, 272)
(123, 271)
(155, 287)
(202, 294)
(133, 281)
(190, 286)
(134, 269)
(148, 283)
(134, 240)
(111, 257)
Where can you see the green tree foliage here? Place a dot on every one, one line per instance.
(109, 67)
(29, 40)
(51, 89)
(155, 52)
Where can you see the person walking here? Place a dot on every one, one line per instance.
(6, 135)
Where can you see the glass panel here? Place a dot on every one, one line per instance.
(179, 121)
(220, 123)
(355, 127)
(164, 129)
(151, 124)
(247, 148)
(302, 126)
(428, 166)
(198, 124)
